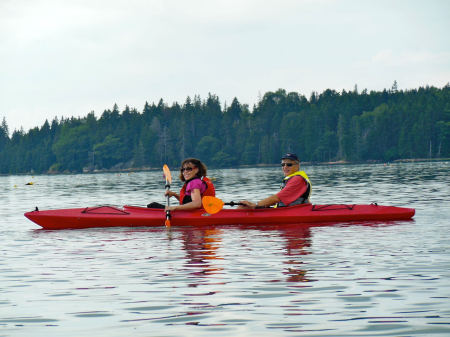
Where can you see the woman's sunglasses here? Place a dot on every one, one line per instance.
(286, 164)
(187, 169)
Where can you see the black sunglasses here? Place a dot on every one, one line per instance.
(187, 169)
(286, 164)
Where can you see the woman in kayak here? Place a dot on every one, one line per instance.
(196, 185)
(295, 189)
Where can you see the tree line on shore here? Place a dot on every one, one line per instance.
(331, 126)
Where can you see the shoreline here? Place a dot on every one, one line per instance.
(146, 168)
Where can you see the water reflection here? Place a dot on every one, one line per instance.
(297, 243)
(201, 246)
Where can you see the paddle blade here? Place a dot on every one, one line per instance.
(167, 173)
(212, 205)
(167, 223)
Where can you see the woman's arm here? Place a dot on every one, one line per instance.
(194, 204)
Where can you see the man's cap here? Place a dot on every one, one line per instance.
(291, 156)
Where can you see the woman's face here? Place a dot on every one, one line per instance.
(189, 171)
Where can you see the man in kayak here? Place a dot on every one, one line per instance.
(295, 189)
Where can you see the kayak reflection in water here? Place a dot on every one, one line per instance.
(295, 189)
(201, 246)
(196, 185)
(298, 243)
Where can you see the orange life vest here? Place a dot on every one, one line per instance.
(210, 190)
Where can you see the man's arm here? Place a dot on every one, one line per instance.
(269, 201)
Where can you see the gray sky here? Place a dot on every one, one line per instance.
(67, 58)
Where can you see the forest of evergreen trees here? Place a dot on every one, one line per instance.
(332, 126)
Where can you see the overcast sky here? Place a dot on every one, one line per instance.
(67, 58)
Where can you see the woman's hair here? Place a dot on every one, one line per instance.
(197, 163)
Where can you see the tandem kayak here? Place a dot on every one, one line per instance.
(133, 216)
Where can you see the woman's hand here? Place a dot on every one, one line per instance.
(170, 208)
(171, 194)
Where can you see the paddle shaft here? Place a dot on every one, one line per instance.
(232, 203)
(168, 202)
(212, 205)
(168, 177)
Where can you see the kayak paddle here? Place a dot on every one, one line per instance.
(212, 205)
(168, 177)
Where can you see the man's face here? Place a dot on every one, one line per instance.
(289, 166)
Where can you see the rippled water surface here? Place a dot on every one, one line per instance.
(365, 279)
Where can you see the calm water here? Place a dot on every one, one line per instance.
(369, 279)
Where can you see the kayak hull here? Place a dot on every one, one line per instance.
(133, 216)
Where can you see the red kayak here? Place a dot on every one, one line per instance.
(132, 216)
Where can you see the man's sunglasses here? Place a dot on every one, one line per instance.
(187, 169)
(286, 164)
